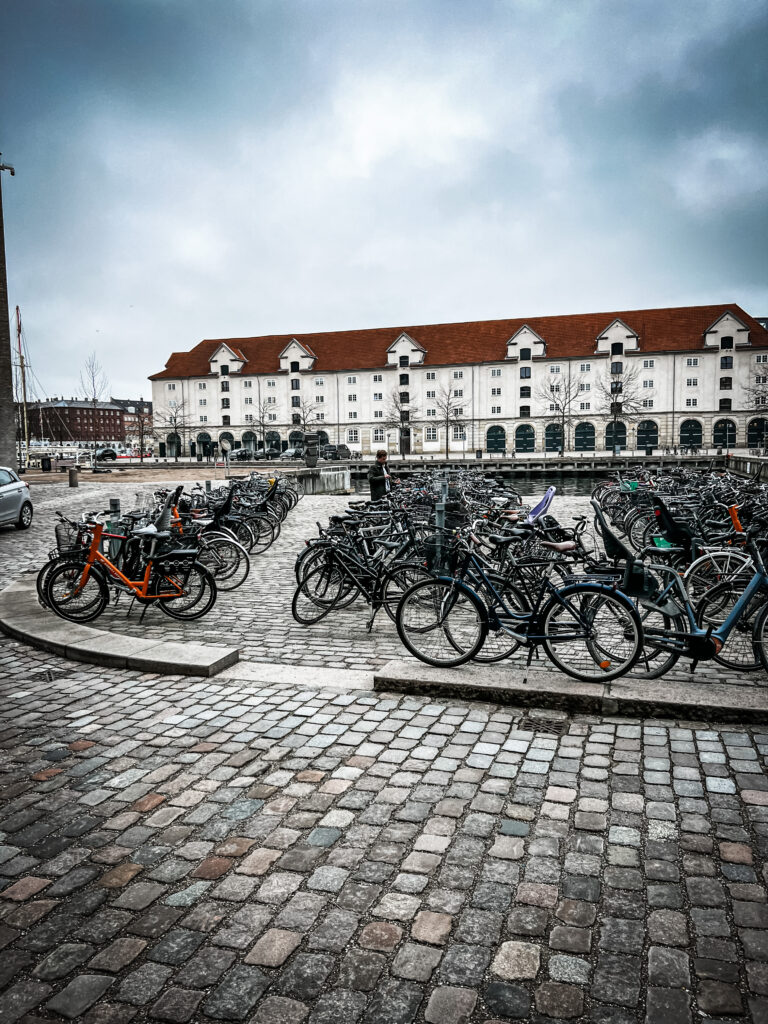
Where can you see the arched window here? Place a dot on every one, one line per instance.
(616, 435)
(690, 433)
(496, 439)
(322, 437)
(173, 445)
(226, 436)
(204, 443)
(249, 440)
(757, 433)
(647, 434)
(295, 438)
(553, 437)
(273, 439)
(724, 434)
(584, 437)
(525, 439)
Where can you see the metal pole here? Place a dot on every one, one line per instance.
(7, 412)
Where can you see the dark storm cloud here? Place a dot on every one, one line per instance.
(191, 168)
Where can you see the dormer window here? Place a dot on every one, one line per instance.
(726, 342)
(405, 360)
(617, 348)
(525, 353)
(224, 369)
(295, 366)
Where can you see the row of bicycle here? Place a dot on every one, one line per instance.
(176, 550)
(473, 574)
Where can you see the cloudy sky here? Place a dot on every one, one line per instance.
(210, 168)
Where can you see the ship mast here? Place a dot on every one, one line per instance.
(23, 386)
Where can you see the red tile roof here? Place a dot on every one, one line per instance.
(659, 330)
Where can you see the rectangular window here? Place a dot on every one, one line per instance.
(225, 385)
(585, 368)
(431, 412)
(726, 343)
(249, 401)
(271, 383)
(225, 421)
(352, 416)
(584, 406)
(761, 379)
(224, 369)
(319, 415)
(272, 416)
(271, 400)
(430, 434)
(525, 392)
(203, 419)
(458, 411)
(378, 434)
(525, 411)
(351, 398)
(725, 405)
(617, 348)
(405, 360)
(431, 394)
(616, 387)
(405, 378)
(377, 378)
(726, 362)
(319, 382)
(319, 399)
(495, 391)
(647, 383)
(692, 361)
(554, 388)
(295, 384)
(171, 387)
(617, 367)
(554, 369)
(247, 383)
(525, 373)
(726, 383)
(762, 358)
(459, 434)
(585, 387)
(202, 386)
(249, 417)
(648, 364)
(378, 414)
(203, 401)
(378, 396)
(225, 403)
(691, 403)
(552, 406)
(430, 375)
(692, 382)
(458, 392)
(295, 401)
(647, 403)
(496, 371)
(495, 410)
(351, 380)
(458, 374)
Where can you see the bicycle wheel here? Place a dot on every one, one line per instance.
(316, 595)
(263, 532)
(198, 589)
(760, 637)
(714, 568)
(441, 622)
(397, 580)
(590, 633)
(227, 560)
(499, 644)
(655, 661)
(738, 652)
(70, 597)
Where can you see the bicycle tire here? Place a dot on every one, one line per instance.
(760, 637)
(227, 560)
(71, 602)
(422, 616)
(608, 633)
(316, 596)
(499, 645)
(653, 662)
(738, 652)
(397, 580)
(199, 595)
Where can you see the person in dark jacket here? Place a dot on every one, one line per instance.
(378, 477)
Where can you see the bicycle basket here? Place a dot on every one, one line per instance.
(441, 554)
(67, 539)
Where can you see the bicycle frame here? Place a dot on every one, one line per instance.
(139, 588)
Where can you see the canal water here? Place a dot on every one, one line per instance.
(526, 483)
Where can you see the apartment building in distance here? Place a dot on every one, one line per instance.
(66, 420)
(636, 379)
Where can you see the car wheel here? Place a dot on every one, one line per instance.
(25, 517)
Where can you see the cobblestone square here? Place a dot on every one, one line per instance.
(179, 849)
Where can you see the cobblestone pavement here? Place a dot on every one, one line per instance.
(177, 849)
(180, 850)
(257, 616)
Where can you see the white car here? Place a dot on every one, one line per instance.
(15, 502)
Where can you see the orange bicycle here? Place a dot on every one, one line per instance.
(79, 590)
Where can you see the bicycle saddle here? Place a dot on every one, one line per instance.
(562, 545)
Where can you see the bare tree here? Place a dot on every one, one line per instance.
(94, 384)
(400, 413)
(175, 420)
(305, 416)
(450, 412)
(756, 391)
(620, 396)
(144, 430)
(261, 420)
(559, 396)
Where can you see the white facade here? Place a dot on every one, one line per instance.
(694, 396)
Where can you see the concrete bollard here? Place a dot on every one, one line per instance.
(73, 481)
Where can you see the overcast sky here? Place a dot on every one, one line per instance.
(212, 168)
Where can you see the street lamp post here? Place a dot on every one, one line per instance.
(7, 412)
